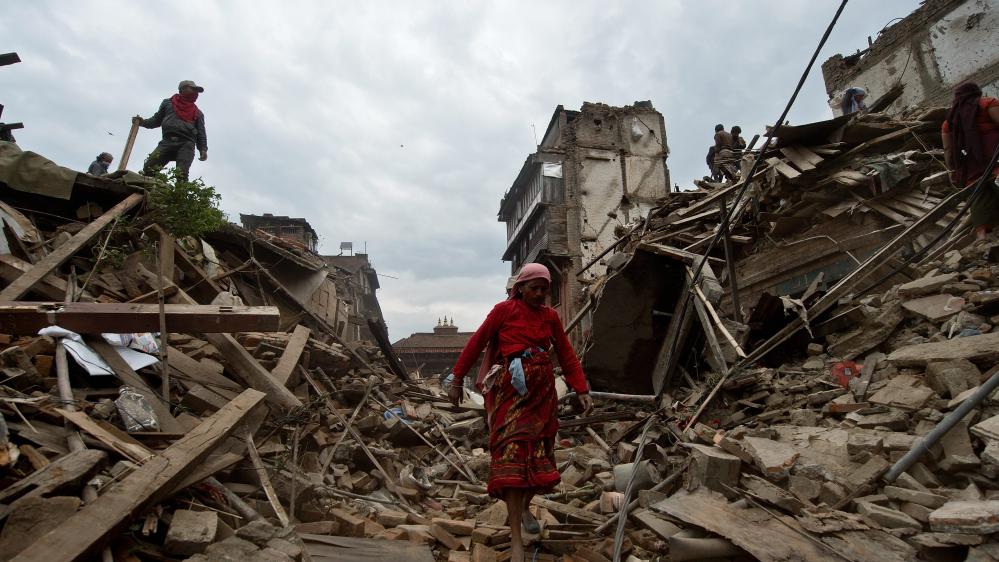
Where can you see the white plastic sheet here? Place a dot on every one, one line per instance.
(88, 358)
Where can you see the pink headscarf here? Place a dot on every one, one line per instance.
(529, 272)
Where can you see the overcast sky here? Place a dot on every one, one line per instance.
(399, 125)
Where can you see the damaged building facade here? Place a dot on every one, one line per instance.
(919, 60)
(596, 172)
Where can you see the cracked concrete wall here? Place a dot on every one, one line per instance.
(620, 173)
(940, 45)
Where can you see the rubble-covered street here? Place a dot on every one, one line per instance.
(795, 358)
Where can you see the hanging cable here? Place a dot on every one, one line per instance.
(695, 278)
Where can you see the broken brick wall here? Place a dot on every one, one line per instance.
(938, 46)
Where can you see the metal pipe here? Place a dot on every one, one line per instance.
(923, 445)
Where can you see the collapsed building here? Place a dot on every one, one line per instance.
(823, 390)
(595, 172)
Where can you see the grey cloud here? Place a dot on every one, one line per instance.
(307, 104)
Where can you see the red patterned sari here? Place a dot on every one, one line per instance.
(522, 430)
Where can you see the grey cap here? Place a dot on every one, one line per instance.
(190, 84)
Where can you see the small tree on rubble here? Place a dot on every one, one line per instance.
(185, 207)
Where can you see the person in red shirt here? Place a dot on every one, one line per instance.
(521, 403)
(970, 135)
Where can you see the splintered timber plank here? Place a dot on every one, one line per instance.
(782, 167)
(49, 263)
(292, 353)
(24, 318)
(83, 535)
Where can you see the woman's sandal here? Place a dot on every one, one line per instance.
(530, 523)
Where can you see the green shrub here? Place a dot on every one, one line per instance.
(185, 207)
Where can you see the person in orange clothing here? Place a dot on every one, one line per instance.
(970, 135)
(521, 402)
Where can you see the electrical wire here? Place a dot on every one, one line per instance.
(747, 179)
(695, 278)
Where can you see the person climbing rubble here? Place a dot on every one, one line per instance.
(724, 157)
(183, 126)
(853, 100)
(99, 167)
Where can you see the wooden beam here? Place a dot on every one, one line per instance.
(123, 371)
(26, 318)
(134, 451)
(51, 287)
(49, 263)
(81, 536)
(292, 353)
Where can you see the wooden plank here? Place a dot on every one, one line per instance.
(807, 154)
(81, 536)
(26, 318)
(51, 286)
(246, 367)
(569, 511)
(265, 481)
(292, 353)
(65, 474)
(133, 451)
(782, 167)
(167, 422)
(195, 372)
(797, 159)
(878, 207)
(49, 263)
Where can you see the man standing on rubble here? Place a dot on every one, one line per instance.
(99, 167)
(723, 153)
(183, 127)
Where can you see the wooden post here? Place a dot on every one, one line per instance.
(125, 154)
(733, 283)
(165, 246)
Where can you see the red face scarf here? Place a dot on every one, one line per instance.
(183, 106)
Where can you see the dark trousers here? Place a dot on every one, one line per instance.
(171, 149)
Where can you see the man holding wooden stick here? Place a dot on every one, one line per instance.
(183, 127)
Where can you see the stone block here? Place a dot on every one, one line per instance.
(951, 378)
(868, 472)
(945, 540)
(815, 349)
(934, 307)
(903, 391)
(459, 527)
(288, 548)
(446, 539)
(887, 517)
(987, 429)
(959, 455)
(773, 458)
(805, 488)
(925, 285)
(350, 525)
(971, 517)
(714, 469)
(30, 518)
(804, 418)
(390, 518)
(918, 512)
(191, 532)
(979, 349)
(894, 420)
(864, 441)
(914, 496)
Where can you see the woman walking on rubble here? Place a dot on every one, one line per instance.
(970, 136)
(521, 403)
